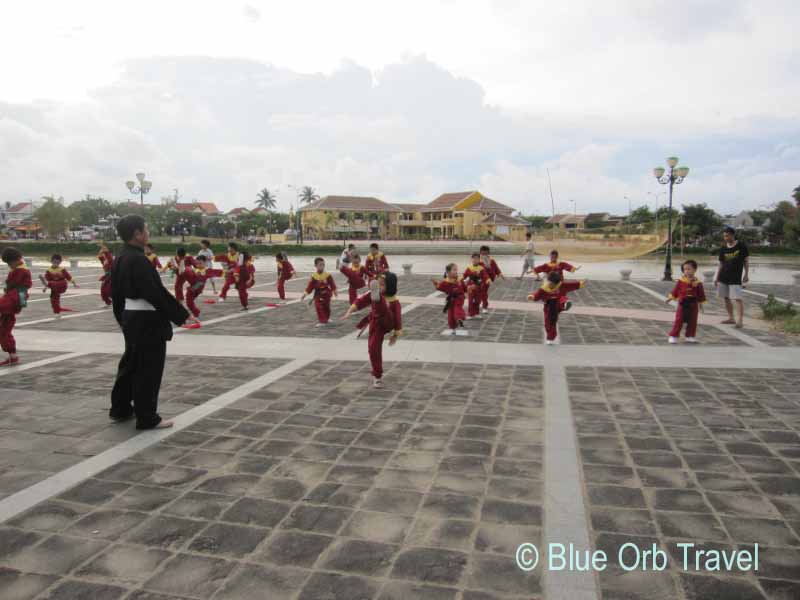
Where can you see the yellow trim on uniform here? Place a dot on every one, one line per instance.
(320, 276)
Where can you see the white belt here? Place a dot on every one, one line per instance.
(137, 304)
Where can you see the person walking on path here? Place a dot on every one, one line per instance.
(732, 274)
(144, 309)
(528, 263)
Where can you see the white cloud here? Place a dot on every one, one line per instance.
(251, 13)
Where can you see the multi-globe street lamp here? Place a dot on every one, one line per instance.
(144, 187)
(676, 175)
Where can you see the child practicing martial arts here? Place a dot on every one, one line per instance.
(689, 293)
(285, 273)
(205, 250)
(229, 263)
(554, 266)
(106, 258)
(356, 275)
(494, 272)
(376, 262)
(476, 277)
(244, 277)
(56, 279)
(180, 264)
(553, 293)
(454, 287)
(323, 287)
(385, 318)
(151, 256)
(197, 278)
(14, 299)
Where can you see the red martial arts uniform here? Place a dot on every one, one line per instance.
(690, 295)
(384, 318)
(493, 270)
(244, 277)
(356, 278)
(454, 306)
(229, 263)
(554, 299)
(323, 286)
(196, 278)
(181, 266)
(285, 273)
(154, 261)
(558, 267)
(106, 259)
(18, 282)
(477, 279)
(375, 265)
(57, 279)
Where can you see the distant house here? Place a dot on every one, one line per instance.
(19, 212)
(567, 221)
(237, 213)
(205, 209)
(589, 221)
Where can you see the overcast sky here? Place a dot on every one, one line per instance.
(403, 100)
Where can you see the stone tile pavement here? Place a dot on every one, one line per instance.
(315, 487)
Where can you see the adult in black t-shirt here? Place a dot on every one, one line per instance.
(145, 311)
(732, 273)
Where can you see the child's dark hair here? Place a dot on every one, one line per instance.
(246, 256)
(554, 277)
(57, 257)
(181, 251)
(318, 260)
(691, 263)
(449, 268)
(149, 246)
(279, 256)
(10, 255)
(205, 242)
(476, 255)
(390, 279)
(729, 229)
(233, 246)
(355, 256)
(373, 245)
(351, 246)
(200, 258)
(528, 235)
(486, 248)
(553, 251)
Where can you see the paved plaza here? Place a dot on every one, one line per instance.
(288, 476)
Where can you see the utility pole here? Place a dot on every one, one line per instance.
(552, 204)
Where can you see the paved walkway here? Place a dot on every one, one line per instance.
(288, 476)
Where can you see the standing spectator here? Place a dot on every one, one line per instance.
(346, 257)
(529, 263)
(732, 273)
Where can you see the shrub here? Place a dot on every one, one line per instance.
(792, 325)
(774, 309)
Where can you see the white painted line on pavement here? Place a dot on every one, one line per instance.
(39, 363)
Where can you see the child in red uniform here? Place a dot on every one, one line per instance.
(15, 298)
(56, 279)
(180, 264)
(376, 262)
(554, 266)
(285, 273)
(244, 276)
(476, 277)
(151, 256)
(494, 272)
(229, 263)
(322, 285)
(385, 318)
(356, 276)
(106, 258)
(689, 293)
(454, 287)
(554, 295)
(197, 278)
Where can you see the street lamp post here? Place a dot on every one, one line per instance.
(298, 236)
(676, 175)
(144, 187)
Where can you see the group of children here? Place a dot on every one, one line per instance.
(472, 286)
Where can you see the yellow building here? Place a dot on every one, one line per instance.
(460, 215)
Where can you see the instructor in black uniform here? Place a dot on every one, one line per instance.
(144, 310)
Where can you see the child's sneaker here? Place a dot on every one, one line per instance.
(374, 290)
(691, 340)
(448, 332)
(377, 383)
(567, 305)
(673, 340)
(58, 316)
(320, 325)
(221, 299)
(549, 342)
(484, 310)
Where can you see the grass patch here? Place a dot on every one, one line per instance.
(783, 316)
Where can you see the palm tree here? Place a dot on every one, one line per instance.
(308, 195)
(266, 200)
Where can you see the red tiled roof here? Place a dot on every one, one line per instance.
(446, 201)
(409, 207)
(238, 211)
(488, 204)
(208, 208)
(357, 203)
(502, 219)
(20, 207)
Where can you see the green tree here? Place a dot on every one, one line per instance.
(783, 215)
(536, 221)
(640, 215)
(796, 196)
(266, 200)
(759, 217)
(700, 219)
(52, 216)
(308, 195)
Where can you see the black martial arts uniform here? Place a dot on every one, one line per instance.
(146, 334)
